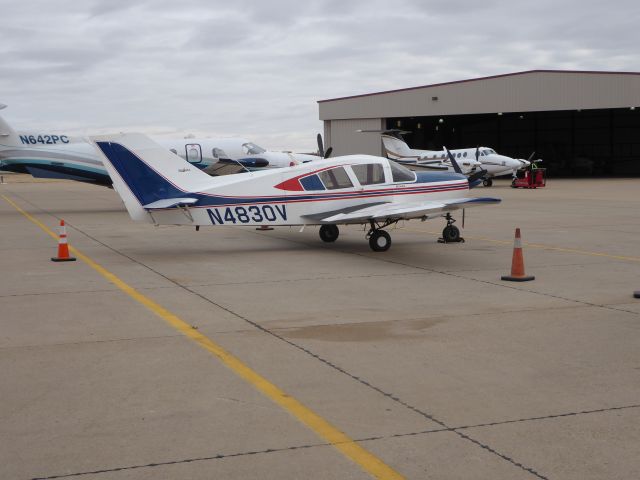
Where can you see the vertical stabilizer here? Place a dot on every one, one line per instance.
(8, 135)
(395, 147)
(145, 174)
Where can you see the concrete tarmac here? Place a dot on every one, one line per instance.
(420, 355)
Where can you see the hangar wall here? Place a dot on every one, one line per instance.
(342, 136)
(540, 90)
(580, 123)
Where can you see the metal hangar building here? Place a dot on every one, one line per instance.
(581, 123)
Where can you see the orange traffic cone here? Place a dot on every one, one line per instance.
(63, 247)
(517, 263)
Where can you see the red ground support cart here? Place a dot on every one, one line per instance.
(532, 178)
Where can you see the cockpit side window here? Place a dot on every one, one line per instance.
(400, 173)
(369, 174)
(312, 182)
(335, 178)
(252, 149)
(219, 153)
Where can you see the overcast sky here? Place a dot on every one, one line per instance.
(257, 68)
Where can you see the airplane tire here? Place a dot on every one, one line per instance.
(329, 233)
(380, 241)
(487, 182)
(451, 234)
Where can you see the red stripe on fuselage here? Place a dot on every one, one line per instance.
(351, 195)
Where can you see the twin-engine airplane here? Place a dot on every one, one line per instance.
(482, 158)
(397, 149)
(45, 155)
(158, 188)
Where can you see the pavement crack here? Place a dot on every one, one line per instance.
(219, 456)
(548, 417)
(90, 342)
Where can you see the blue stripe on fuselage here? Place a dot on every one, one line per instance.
(431, 177)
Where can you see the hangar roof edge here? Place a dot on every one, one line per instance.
(589, 72)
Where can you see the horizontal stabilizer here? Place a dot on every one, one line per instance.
(170, 203)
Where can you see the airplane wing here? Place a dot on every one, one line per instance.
(426, 166)
(390, 211)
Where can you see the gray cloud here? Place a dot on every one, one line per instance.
(256, 69)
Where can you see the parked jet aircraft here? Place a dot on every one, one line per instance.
(43, 154)
(495, 165)
(358, 189)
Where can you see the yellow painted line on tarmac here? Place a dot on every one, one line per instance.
(541, 246)
(321, 427)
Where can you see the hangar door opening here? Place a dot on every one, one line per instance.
(572, 143)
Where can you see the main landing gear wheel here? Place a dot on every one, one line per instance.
(329, 233)
(451, 233)
(487, 182)
(379, 241)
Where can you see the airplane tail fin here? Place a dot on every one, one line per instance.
(8, 135)
(146, 175)
(395, 146)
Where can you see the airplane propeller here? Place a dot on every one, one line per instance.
(472, 178)
(526, 163)
(321, 151)
(456, 167)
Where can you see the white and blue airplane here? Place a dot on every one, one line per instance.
(160, 189)
(479, 158)
(47, 155)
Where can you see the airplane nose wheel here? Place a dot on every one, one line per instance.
(487, 182)
(379, 241)
(451, 233)
(329, 233)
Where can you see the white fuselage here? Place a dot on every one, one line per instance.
(77, 157)
(292, 195)
(493, 163)
(496, 165)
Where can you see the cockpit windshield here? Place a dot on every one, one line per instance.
(252, 149)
